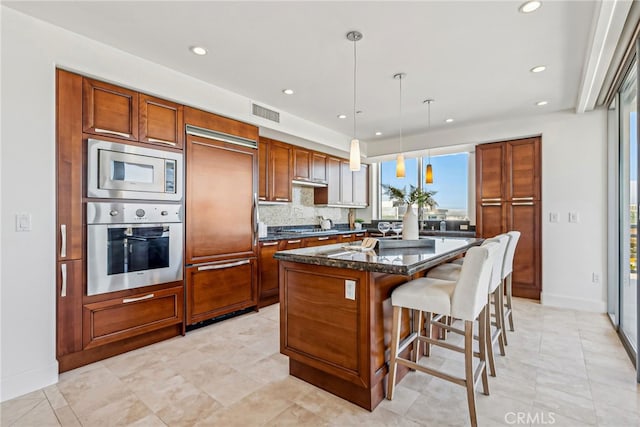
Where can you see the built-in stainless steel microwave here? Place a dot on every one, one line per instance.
(119, 171)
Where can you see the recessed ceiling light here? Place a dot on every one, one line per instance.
(287, 91)
(448, 120)
(538, 69)
(342, 116)
(378, 133)
(198, 50)
(541, 103)
(530, 6)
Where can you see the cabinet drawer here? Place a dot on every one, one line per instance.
(117, 319)
(320, 241)
(221, 288)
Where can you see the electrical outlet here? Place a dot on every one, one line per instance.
(573, 217)
(595, 278)
(553, 216)
(350, 289)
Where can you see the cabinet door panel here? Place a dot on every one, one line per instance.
(301, 162)
(263, 169)
(346, 181)
(120, 318)
(110, 110)
(361, 186)
(525, 218)
(490, 219)
(268, 273)
(217, 289)
(69, 149)
(69, 291)
(489, 176)
(280, 171)
(285, 245)
(219, 201)
(319, 167)
(161, 122)
(523, 169)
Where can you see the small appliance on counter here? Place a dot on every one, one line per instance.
(325, 223)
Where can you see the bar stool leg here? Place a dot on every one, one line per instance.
(503, 318)
(509, 306)
(499, 319)
(487, 329)
(395, 342)
(468, 368)
(482, 345)
(427, 333)
(418, 328)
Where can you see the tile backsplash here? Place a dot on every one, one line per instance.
(301, 211)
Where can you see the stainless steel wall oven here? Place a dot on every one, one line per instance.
(130, 245)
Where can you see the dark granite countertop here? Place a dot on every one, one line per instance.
(287, 234)
(449, 233)
(403, 261)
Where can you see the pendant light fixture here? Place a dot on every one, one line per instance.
(354, 151)
(400, 169)
(428, 175)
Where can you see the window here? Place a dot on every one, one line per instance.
(450, 180)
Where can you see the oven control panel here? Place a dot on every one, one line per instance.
(132, 213)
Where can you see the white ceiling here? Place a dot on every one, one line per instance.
(472, 57)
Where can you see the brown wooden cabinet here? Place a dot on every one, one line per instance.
(69, 293)
(220, 288)
(301, 164)
(120, 318)
(268, 266)
(275, 170)
(109, 110)
(508, 197)
(321, 240)
(319, 167)
(285, 245)
(346, 183)
(161, 122)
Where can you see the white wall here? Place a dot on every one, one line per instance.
(31, 50)
(573, 179)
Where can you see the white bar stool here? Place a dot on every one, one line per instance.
(451, 271)
(464, 299)
(507, 272)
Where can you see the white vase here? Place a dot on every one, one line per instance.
(410, 225)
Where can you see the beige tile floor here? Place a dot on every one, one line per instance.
(562, 368)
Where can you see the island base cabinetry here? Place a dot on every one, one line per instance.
(220, 288)
(335, 326)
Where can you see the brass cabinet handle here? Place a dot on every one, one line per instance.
(112, 132)
(128, 300)
(491, 204)
(522, 204)
(63, 240)
(359, 234)
(63, 272)
(221, 266)
(496, 199)
(161, 141)
(293, 241)
(323, 238)
(281, 199)
(269, 243)
(522, 198)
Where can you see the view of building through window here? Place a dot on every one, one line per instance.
(450, 181)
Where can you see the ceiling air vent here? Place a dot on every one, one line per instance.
(265, 113)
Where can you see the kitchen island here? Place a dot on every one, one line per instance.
(335, 312)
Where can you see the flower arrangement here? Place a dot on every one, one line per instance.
(415, 196)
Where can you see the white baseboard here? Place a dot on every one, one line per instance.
(573, 303)
(28, 381)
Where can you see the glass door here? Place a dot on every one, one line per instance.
(628, 232)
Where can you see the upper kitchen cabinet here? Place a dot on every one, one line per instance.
(361, 186)
(275, 170)
(301, 164)
(489, 181)
(330, 195)
(319, 167)
(109, 110)
(161, 122)
(346, 183)
(522, 166)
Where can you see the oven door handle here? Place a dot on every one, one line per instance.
(221, 266)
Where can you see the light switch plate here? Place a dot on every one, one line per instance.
(574, 217)
(23, 222)
(350, 289)
(553, 216)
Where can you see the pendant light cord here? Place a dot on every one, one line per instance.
(400, 78)
(429, 123)
(355, 65)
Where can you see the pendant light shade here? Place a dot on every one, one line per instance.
(354, 150)
(428, 174)
(400, 169)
